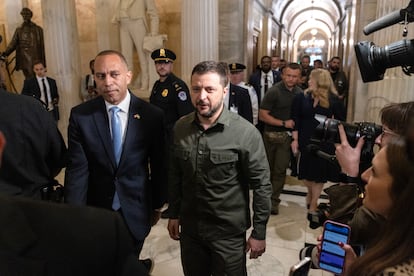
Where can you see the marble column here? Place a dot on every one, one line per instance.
(62, 54)
(199, 28)
(231, 34)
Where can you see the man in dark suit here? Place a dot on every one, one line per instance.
(264, 78)
(36, 151)
(237, 100)
(237, 78)
(126, 175)
(43, 88)
(35, 239)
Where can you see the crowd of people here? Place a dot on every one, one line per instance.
(196, 153)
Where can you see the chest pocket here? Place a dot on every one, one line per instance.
(222, 166)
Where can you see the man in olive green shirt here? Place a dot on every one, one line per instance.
(216, 157)
(275, 112)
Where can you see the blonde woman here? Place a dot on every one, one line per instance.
(320, 98)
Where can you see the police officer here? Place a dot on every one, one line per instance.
(170, 93)
(237, 78)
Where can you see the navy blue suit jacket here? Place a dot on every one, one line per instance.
(239, 97)
(255, 78)
(92, 173)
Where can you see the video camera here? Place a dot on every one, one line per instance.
(374, 60)
(327, 131)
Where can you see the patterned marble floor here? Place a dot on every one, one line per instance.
(286, 235)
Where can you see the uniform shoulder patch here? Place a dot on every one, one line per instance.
(182, 96)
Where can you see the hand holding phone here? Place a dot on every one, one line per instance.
(332, 256)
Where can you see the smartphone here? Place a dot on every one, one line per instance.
(301, 268)
(332, 256)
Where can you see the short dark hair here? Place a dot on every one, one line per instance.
(335, 57)
(113, 52)
(293, 66)
(267, 57)
(211, 66)
(305, 56)
(38, 61)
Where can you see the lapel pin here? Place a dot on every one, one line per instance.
(136, 116)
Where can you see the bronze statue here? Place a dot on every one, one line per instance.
(28, 43)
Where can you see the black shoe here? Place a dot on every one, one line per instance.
(148, 264)
(314, 220)
(164, 214)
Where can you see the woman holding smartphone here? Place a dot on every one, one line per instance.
(389, 192)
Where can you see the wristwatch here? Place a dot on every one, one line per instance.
(283, 123)
(344, 178)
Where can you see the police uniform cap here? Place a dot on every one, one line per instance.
(163, 55)
(236, 67)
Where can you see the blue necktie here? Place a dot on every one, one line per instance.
(117, 144)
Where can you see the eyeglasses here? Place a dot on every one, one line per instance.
(388, 132)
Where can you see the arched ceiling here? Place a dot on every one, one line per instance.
(300, 16)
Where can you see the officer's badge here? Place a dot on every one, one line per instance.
(164, 93)
(182, 96)
(162, 53)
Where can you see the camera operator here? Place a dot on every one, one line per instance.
(389, 189)
(346, 197)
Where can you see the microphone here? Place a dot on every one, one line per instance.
(391, 19)
(314, 149)
(385, 21)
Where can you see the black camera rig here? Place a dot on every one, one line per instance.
(327, 131)
(374, 60)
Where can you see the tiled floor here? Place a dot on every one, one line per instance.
(286, 235)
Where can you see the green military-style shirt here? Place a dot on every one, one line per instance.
(210, 174)
(278, 101)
